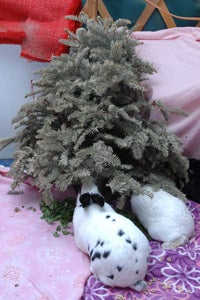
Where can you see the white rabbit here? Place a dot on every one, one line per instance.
(165, 217)
(118, 250)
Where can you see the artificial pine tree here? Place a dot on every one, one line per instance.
(89, 120)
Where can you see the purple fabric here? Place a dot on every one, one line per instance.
(172, 274)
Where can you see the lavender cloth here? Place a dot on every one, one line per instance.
(172, 274)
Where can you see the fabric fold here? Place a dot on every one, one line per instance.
(175, 55)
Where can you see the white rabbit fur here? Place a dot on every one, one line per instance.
(165, 217)
(118, 250)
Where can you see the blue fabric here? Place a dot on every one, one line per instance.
(131, 9)
(6, 162)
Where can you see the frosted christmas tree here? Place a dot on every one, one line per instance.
(89, 120)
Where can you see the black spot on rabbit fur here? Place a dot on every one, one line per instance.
(121, 232)
(111, 276)
(119, 268)
(96, 255)
(106, 254)
(91, 252)
(135, 246)
(107, 217)
(128, 241)
(98, 243)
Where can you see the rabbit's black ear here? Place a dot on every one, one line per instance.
(98, 199)
(85, 199)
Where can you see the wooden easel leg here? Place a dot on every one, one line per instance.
(145, 15)
(103, 10)
(169, 21)
(92, 7)
(149, 9)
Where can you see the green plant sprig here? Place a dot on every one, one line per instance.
(59, 211)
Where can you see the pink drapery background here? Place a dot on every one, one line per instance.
(175, 55)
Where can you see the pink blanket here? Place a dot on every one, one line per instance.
(35, 265)
(175, 54)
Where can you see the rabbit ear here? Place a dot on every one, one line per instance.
(98, 199)
(85, 199)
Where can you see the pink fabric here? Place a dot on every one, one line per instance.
(35, 265)
(175, 54)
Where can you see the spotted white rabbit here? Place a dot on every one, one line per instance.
(165, 217)
(118, 250)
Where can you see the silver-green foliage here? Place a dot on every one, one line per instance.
(89, 119)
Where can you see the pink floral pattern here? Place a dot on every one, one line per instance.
(172, 274)
(35, 265)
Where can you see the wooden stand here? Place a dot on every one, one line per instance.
(165, 14)
(149, 9)
(93, 7)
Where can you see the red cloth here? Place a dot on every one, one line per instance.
(37, 25)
